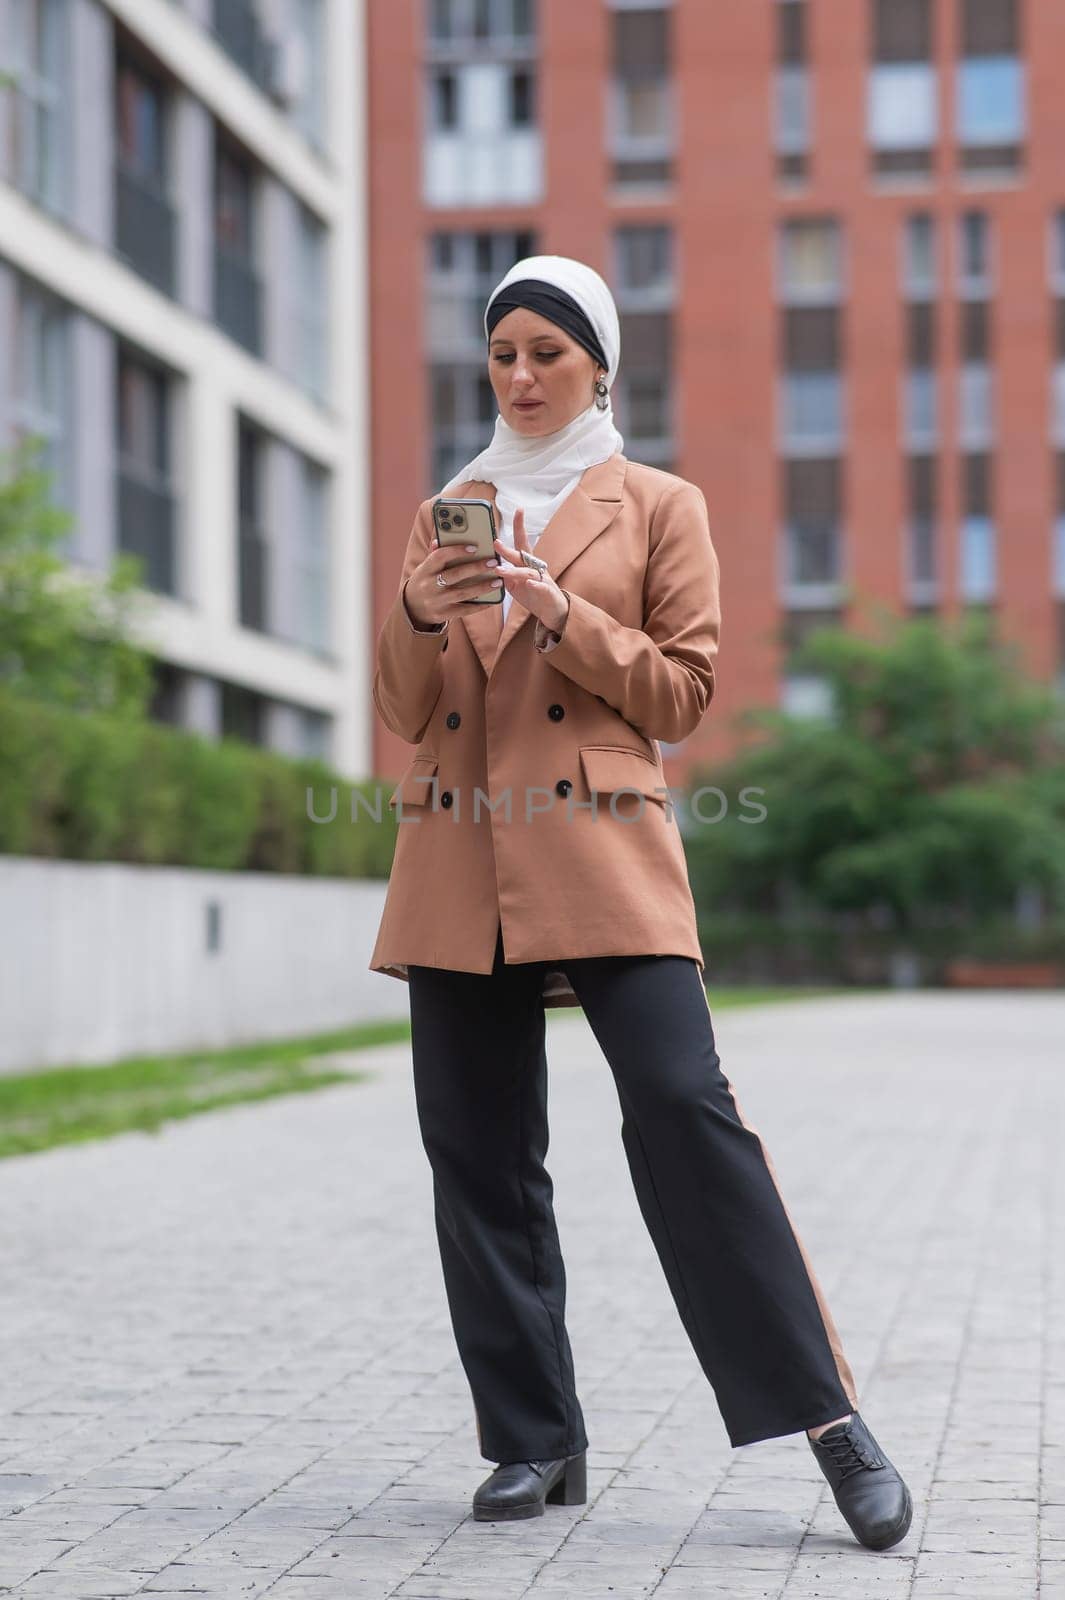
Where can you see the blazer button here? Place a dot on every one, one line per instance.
(446, 798)
(563, 786)
(556, 713)
(453, 719)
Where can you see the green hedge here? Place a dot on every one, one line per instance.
(759, 949)
(90, 787)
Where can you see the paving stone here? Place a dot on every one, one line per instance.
(249, 1386)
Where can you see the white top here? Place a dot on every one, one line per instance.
(507, 536)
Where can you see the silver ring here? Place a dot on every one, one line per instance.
(441, 580)
(535, 561)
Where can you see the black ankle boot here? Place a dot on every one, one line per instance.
(520, 1488)
(869, 1490)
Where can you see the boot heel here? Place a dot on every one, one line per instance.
(572, 1488)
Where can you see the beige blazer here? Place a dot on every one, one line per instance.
(572, 842)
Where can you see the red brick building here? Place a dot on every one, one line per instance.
(836, 233)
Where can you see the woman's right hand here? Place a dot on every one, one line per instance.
(428, 603)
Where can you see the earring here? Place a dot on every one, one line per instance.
(602, 396)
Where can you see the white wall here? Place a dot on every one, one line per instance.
(100, 961)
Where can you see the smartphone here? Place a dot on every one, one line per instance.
(464, 522)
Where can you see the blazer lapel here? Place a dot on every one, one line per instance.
(582, 517)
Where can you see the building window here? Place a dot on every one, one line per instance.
(167, 694)
(975, 403)
(978, 556)
(811, 394)
(42, 383)
(237, 287)
(236, 26)
(920, 333)
(806, 695)
(641, 132)
(792, 120)
(901, 105)
(977, 559)
(40, 96)
(144, 217)
(1057, 401)
(991, 114)
(810, 261)
(811, 338)
(140, 107)
(919, 378)
(975, 338)
(244, 714)
(974, 261)
(444, 100)
(462, 271)
(990, 94)
(460, 22)
(812, 555)
(643, 267)
(145, 493)
(643, 405)
(463, 416)
(922, 567)
(792, 91)
(483, 145)
(308, 32)
(1056, 245)
(920, 407)
(919, 270)
(311, 308)
(902, 117)
(1058, 576)
(253, 549)
(803, 692)
(312, 612)
(521, 112)
(315, 734)
(902, 30)
(812, 517)
(812, 412)
(643, 393)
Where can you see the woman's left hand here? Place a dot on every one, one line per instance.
(535, 590)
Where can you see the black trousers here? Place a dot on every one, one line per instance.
(739, 1276)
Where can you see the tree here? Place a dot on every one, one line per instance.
(65, 636)
(932, 795)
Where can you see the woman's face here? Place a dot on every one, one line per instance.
(541, 377)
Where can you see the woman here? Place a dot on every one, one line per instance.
(538, 864)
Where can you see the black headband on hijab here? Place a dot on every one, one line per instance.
(550, 302)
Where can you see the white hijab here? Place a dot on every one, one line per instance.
(540, 473)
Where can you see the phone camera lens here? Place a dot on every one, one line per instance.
(446, 526)
(460, 520)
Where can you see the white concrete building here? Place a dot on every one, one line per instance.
(182, 294)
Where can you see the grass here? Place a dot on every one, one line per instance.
(69, 1105)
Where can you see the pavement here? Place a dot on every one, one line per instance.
(227, 1369)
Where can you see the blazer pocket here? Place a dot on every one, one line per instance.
(414, 788)
(610, 767)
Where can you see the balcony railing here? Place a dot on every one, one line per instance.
(238, 297)
(236, 27)
(253, 563)
(145, 228)
(146, 523)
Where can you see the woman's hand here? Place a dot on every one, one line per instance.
(537, 591)
(428, 602)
